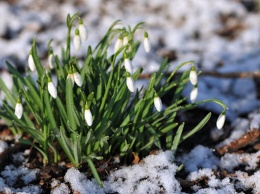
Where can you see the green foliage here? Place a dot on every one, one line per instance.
(120, 122)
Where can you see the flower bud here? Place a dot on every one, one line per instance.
(118, 44)
(147, 46)
(128, 65)
(130, 83)
(194, 94)
(31, 62)
(71, 77)
(221, 120)
(77, 78)
(157, 103)
(88, 115)
(18, 109)
(82, 31)
(125, 39)
(77, 41)
(193, 76)
(51, 88)
(51, 60)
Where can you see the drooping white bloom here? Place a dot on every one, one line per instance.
(130, 84)
(71, 77)
(18, 109)
(51, 61)
(77, 79)
(194, 94)
(82, 31)
(77, 40)
(157, 103)
(52, 89)
(221, 120)
(128, 65)
(193, 76)
(88, 115)
(147, 46)
(31, 62)
(125, 39)
(118, 44)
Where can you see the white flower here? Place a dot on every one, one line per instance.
(51, 61)
(77, 40)
(128, 65)
(82, 31)
(18, 109)
(88, 115)
(31, 63)
(221, 120)
(71, 77)
(193, 76)
(147, 46)
(118, 44)
(125, 39)
(157, 103)
(52, 89)
(77, 79)
(130, 84)
(194, 94)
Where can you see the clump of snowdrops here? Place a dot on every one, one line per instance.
(94, 110)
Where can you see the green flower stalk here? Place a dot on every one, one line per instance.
(18, 109)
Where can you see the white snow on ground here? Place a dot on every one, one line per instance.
(192, 29)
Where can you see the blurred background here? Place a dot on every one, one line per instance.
(222, 36)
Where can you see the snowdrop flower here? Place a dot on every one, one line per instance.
(51, 60)
(125, 39)
(193, 76)
(88, 115)
(119, 43)
(71, 77)
(31, 62)
(77, 78)
(77, 41)
(18, 109)
(194, 94)
(157, 103)
(130, 82)
(128, 65)
(51, 88)
(221, 120)
(147, 46)
(82, 31)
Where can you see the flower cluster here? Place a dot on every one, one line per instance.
(95, 110)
